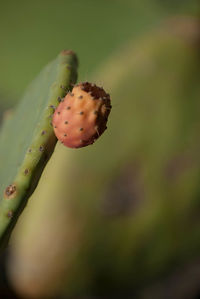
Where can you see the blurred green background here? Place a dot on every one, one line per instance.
(151, 149)
(34, 32)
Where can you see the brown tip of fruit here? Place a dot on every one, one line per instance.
(95, 91)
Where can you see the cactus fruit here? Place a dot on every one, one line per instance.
(27, 139)
(82, 115)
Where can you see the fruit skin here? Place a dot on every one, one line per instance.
(82, 115)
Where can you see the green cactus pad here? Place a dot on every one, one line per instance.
(27, 139)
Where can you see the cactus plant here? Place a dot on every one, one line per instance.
(133, 212)
(27, 139)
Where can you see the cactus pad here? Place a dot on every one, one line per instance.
(27, 139)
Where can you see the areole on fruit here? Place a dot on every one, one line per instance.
(81, 116)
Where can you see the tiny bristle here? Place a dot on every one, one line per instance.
(63, 87)
(10, 214)
(41, 148)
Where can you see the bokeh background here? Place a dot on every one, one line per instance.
(133, 230)
(32, 34)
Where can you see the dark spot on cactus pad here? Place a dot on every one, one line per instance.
(29, 150)
(41, 148)
(10, 191)
(81, 113)
(125, 194)
(43, 132)
(55, 127)
(59, 99)
(80, 97)
(26, 171)
(58, 112)
(68, 108)
(66, 122)
(10, 214)
(65, 135)
(95, 112)
(81, 129)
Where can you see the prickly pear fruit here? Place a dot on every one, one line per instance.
(82, 115)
